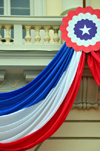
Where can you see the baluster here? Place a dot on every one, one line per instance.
(56, 37)
(37, 34)
(28, 36)
(7, 36)
(0, 34)
(47, 37)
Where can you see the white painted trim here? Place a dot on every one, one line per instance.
(31, 7)
(17, 34)
(44, 7)
(7, 10)
(9, 7)
(5, 7)
(23, 47)
(39, 7)
(35, 10)
(32, 20)
(88, 3)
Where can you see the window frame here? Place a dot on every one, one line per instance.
(34, 8)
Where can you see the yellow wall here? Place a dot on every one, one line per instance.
(95, 4)
(53, 7)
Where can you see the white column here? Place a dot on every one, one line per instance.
(39, 7)
(17, 34)
(32, 11)
(0, 34)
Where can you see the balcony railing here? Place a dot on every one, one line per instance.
(40, 32)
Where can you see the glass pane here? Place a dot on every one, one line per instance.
(1, 3)
(1, 11)
(2, 33)
(12, 33)
(24, 33)
(20, 11)
(20, 3)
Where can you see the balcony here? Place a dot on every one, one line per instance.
(33, 44)
(36, 36)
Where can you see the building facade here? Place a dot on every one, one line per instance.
(29, 40)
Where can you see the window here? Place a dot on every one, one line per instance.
(20, 7)
(1, 7)
(23, 7)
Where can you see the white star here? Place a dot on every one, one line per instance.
(85, 30)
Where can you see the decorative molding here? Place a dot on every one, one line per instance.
(88, 93)
(2, 83)
(31, 20)
(25, 59)
(30, 75)
(2, 75)
(21, 48)
(16, 82)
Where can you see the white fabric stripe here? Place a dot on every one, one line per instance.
(43, 110)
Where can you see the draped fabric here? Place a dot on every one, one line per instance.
(94, 65)
(38, 89)
(33, 113)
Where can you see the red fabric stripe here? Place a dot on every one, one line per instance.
(94, 65)
(51, 127)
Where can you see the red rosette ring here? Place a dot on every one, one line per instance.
(81, 29)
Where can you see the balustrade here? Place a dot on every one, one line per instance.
(56, 37)
(37, 34)
(47, 37)
(27, 37)
(37, 37)
(36, 25)
(7, 36)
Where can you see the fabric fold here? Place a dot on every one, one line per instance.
(54, 123)
(51, 103)
(94, 65)
(40, 88)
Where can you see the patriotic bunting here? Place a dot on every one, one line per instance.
(34, 112)
(81, 29)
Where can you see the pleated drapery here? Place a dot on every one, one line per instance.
(94, 65)
(33, 113)
(38, 89)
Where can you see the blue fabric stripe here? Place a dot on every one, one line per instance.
(39, 90)
(43, 74)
